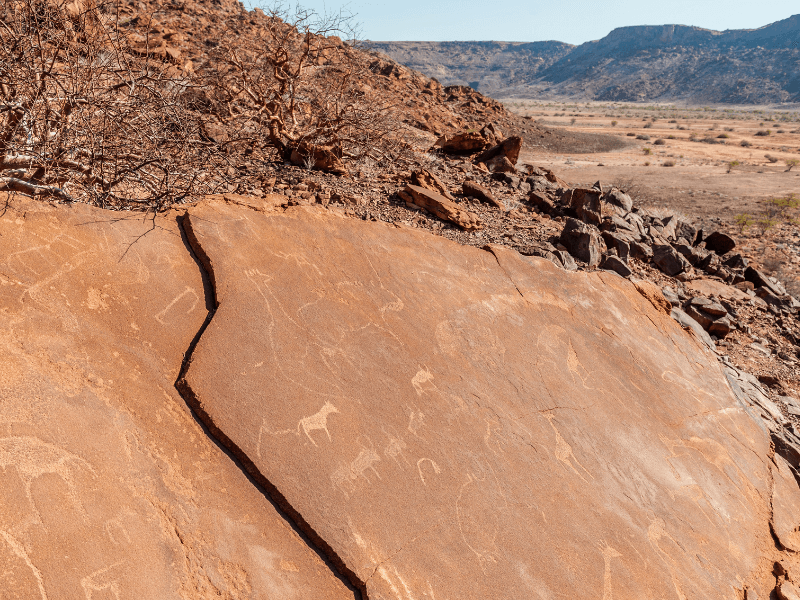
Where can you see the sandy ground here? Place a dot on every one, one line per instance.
(685, 173)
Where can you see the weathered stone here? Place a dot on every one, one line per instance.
(500, 164)
(715, 309)
(425, 179)
(693, 254)
(501, 411)
(543, 202)
(736, 261)
(712, 287)
(787, 591)
(719, 242)
(462, 143)
(566, 260)
(110, 488)
(668, 228)
(684, 229)
(509, 148)
(470, 188)
(619, 242)
(582, 241)
(668, 260)
(691, 324)
(322, 158)
(443, 208)
(614, 263)
(671, 296)
(720, 327)
(619, 199)
(785, 505)
(585, 202)
(700, 316)
(760, 279)
(641, 251)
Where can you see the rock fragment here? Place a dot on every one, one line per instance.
(443, 208)
(582, 241)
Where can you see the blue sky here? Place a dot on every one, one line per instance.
(573, 21)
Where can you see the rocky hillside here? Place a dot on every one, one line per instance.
(485, 66)
(647, 63)
(441, 374)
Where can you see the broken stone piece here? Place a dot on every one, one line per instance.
(582, 241)
(443, 208)
(669, 260)
(719, 242)
(470, 188)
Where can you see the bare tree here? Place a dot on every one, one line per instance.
(296, 86)
(87, 118)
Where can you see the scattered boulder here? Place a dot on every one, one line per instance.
(566, 260)
(425, 179)
(583, 241)
(684, 229)
(509, 148)
(470, 188)
(719, 242)
(619, 199)
(614, 263)
(467, 142)
(668, 260)
(443, 208)
(322, 158)
(585, 203)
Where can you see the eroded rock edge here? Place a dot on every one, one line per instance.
(312, 539)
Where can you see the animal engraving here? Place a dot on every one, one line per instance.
(436, 468)
(563, 451)
(317, 421)
(187, 292)
(422, 376)
(32, 458)
(18, 549)
(608, 554)
(346, 477)
(100, 581)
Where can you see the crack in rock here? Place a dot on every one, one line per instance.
(279, 501)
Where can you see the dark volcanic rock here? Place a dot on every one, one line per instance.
(721, 243)
(583, 241)
(669, 260)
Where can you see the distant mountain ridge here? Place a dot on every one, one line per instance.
(639, 63)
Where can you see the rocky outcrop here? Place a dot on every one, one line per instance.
(518, 424)
(229, 402)
(110, 487)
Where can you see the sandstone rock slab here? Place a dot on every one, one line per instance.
(110, 488)
(470, 424)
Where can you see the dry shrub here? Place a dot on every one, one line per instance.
(91, 110)
(296, 86)
(86, 117)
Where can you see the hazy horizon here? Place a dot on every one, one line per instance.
(571, 21)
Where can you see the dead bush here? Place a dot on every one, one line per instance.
(296, 86)
(85, 115)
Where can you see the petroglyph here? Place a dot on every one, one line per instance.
(395, 448)
(317, 421)
(422, 377)
(186, 292)
(436, 468)
(18, 549)
(346, 477)
(32, 458)
(608, 554)
(100, 581)
(563, 451)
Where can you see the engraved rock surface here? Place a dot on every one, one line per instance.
(464, 423)
(110, 489)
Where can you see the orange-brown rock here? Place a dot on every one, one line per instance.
(510, 148)
(459, 423)
(425, 179)
(462, 143)
(443, 208)
(110, 489)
